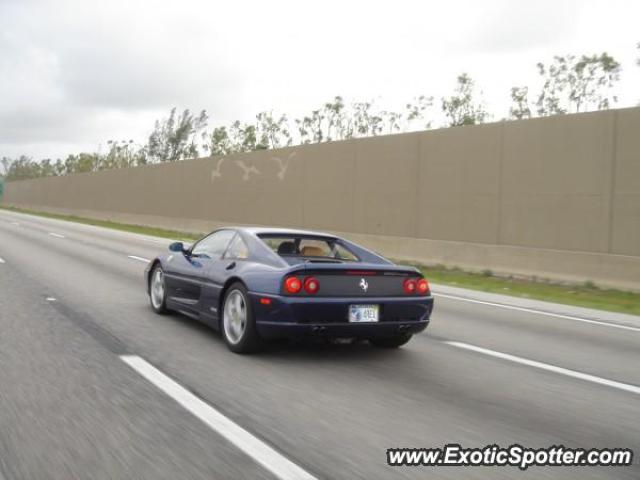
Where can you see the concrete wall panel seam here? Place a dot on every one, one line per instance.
(612, 182)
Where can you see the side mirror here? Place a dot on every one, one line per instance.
(177, 247)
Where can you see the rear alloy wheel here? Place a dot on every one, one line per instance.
(157, 291)
(391, 342)
(238, 324)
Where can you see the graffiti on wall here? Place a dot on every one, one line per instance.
(283, 165)
(249, 170)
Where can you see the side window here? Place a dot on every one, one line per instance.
(343, 254)
(214, 245)
(237, 249)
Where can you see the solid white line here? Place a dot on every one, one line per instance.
(273, 461)
(540, 312)
(140, 259)
(57, 235)
(551, 368)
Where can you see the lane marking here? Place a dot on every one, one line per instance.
(140, 259)
(541, 312)
(50, 299)
(57, 235)
(266, 456)
(1, 260)
(550, 368)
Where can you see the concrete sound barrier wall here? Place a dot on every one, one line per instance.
(555, 197)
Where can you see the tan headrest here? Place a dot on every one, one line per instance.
(310, 251)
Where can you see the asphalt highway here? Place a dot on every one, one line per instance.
(93, 384)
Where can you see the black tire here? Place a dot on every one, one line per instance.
(391, 342)
(158, 305)
(248, 340)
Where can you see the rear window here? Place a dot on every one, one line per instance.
(308, 247)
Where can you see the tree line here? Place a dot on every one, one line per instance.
(570, 84)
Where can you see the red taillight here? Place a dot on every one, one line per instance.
(311, 285)
(409, 285)
(422, 287)
(292, 285)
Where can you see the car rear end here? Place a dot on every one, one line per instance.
(348, 300)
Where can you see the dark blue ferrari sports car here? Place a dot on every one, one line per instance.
(261, 283)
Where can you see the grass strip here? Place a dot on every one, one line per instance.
(586, 294)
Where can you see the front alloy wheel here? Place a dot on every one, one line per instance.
(157, 290)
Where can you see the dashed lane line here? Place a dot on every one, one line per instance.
(140, 259)
(275, 462)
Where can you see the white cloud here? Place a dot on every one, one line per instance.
(76, 73)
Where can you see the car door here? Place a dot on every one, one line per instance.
(218, 273)
(188, 271)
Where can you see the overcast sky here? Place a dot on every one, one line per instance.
(76, 73)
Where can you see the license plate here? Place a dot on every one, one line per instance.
(363, 313)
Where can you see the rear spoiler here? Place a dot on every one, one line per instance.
(362, 269)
